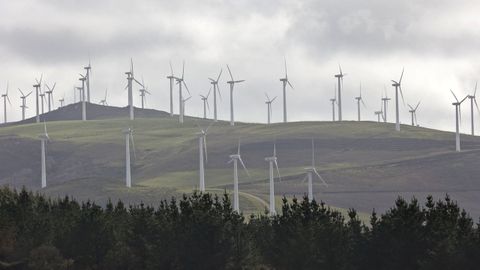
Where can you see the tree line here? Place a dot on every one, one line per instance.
(201, 231)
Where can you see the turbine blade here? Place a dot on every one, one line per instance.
(278, 171)
(218, 78)
(418, 104)
(320, 177)
(401, 76)
(230, 72)
(243, 165)
(205, 147)
(171, 68)
(454, 95)
(133, 145)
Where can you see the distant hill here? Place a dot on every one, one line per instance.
(366, 164)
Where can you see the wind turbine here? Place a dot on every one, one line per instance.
(458, 118)
(398, 86)
(62, 101)
(205, 103)
(311, 172)
(272, 161)
(360, 99)
(82, 97)
(5, 98)
(128, 137)
(232, 83)
(143, 91)
(269, 107)
(235, 158)
(380, 112)
(385, 105)
(87, 76)
(24, 102)
(180, 82)
(171, 78)
(339, 77)
(285, 81)
(130, 79)
(104, 100)
(203, 156)
(37, 92)
(182, 114)
(42, 100)
(413, 112)
(334, 101)
(216, 89)
(44, 139)
(50, 96)
(473, 99)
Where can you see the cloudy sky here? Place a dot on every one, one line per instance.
(436, 41)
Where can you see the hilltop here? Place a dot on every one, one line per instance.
(366, 164)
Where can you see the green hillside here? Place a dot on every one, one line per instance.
(366, 164)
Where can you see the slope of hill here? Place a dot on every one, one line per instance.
(366, 164)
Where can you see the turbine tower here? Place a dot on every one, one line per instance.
(360, 100)
(232, 83)
(203, 156)
(5, 98)
(339, 77)
(143, 91)
(82, 97)
(50, 96)
(311, 172)
(413, 112)
(398, 86)
(285, 81)
(272, 161)
(216, 89)
(44, 139)
(130, 79)
(458, 118)
(235, 158)
(180, 82)
(87, 76)
(473, 99)
(104, 100)
(269, 107)
(182, 114)
(37, 92)
(171, 78)
(385, 105)
(128, 137)
(334, 101)
(205, 103)
(42, 100)
(24, 102)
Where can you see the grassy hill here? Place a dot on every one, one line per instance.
(366, 164)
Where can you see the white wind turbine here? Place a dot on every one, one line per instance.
(104, 100)
(5, 98)
(285, 81)
(50, 95)
(458, 118)
(44, 139)
(171, 78)
(203, 156)
(380, 112)
(398, 86)
(82, 97)
(269, 107)
(473, 99)
(232, 83)
(360, 100)
(181, 82)
(62, 101)
(37, 93)
(87, 76)
(334, 101)
(205, 103)
(182, 114)
(385, 101)
(128, 137)
(143, 92)
(413, 112)
(216, 89)
(24, 102)
(272, 161)
(311, 172)
(339, 77)
(130, 79)
(235, 158)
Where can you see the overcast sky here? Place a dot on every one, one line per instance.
(438, 43)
